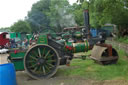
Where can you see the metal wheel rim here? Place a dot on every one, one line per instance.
(40, 76)
(111, 61)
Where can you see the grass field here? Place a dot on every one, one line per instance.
(87, 69)
(122, 39)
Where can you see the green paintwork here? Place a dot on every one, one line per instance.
(13, 35)
(42, 39)
(41, 68)
(29, 36)
(78, 47)
(78, 34)
(87, 46)
(62, 41)
(69, 44)
(17, 60)
(66, 35)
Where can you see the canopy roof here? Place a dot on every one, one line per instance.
(3, 33)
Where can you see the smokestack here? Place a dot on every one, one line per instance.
(86, 22)
(86, 18)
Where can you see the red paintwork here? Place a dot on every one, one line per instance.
(69, 47)
(3, 41)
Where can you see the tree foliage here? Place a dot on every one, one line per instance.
(78, 10)
(57, 14)
(21, 26)
(5, 29)
(37, 16)
(109, 11)
(47, 14)
(60, 15)
(104, 11)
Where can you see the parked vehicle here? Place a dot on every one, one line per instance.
(4, 40)
(43, 58)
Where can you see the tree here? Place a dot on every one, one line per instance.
(80, 1)
(104, 11)
(5, 29)
(37, 16)
(47, 14)
(77, 10)
(109, 11)
(21, 26)
(60, 15)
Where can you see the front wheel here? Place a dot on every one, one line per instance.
(105, 55)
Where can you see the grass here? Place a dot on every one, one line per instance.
(122, 39)
(87, 69)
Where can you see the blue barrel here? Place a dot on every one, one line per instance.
(93, 32)
(7, 74)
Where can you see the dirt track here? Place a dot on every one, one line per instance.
(24, 79)
(3, 58)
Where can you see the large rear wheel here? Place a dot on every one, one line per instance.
(41, 61)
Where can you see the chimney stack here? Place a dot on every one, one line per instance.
(86, 22)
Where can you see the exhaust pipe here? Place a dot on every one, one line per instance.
(86, 22)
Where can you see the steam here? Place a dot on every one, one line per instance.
(65, 19)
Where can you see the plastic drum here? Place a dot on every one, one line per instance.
(7, 74)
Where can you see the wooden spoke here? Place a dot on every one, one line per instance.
(50, 65)
(50, 61)
(47, 68)
(50, 56)
(41, 61)
(43, 52)
(34, 58)
(44, 70)
(47, 54)
(35, 69)
(32, 66)
(39, 52)
(31, 61)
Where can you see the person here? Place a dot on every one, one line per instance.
(13, 44)
(26, 42)
(17, 41)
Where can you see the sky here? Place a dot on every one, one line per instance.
(13, 10)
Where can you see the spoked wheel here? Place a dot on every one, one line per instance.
(41, 61)
(109, 59)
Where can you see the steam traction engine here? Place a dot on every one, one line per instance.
(42, 60)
